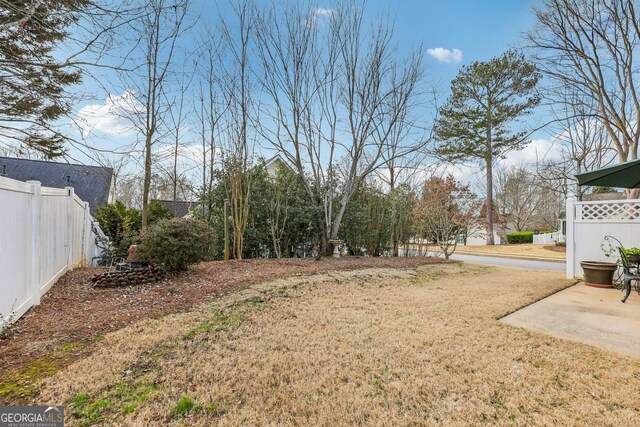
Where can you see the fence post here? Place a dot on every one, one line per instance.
(86, 230)
(34, 267)
(570, 239)
(70, 193)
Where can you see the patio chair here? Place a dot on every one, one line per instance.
(627, 275)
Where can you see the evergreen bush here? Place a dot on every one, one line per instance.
(520, 237)
(174, 244)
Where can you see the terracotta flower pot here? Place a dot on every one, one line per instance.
(634, 258)
(598, 274)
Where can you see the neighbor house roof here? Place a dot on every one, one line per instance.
(271, 165)
(93, 184)
(179, 208)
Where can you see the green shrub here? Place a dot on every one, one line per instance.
(520, 237)
(122, 224)
(174, 244)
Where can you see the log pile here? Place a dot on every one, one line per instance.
(141, 276)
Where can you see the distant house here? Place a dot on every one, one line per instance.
(271, 165)
(93, 184)
(179, 208)
(478, 237)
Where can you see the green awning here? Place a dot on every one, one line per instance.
(624, 175)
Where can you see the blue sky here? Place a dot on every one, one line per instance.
(481, 29)
(453, 33)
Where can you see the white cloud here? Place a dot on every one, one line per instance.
(471, 174)
(110, 117)
(538, 149)
(189, 152)
(321, 11)
(441, 54)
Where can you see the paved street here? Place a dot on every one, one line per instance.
(504, 262)
(510, 262)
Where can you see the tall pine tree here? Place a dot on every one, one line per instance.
(32, 79)
(475, 123)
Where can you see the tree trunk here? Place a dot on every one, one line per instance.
(578, 187)
(394, 213)
(175, 175)
(633, 193)
(324, 243)
(337, 221)
(489, 201)
(147, 181)
(226, 230)
(395, 247)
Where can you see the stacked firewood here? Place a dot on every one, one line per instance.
(140, 276)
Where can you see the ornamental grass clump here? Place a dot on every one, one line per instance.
(174, 244)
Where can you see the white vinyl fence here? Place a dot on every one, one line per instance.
(44, 232)
(548, 238)
(589, 222)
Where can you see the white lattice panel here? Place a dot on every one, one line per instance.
(613, 211)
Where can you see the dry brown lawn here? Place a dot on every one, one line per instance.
(74, 315)
(371, 347)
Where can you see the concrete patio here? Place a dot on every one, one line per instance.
(588, 315)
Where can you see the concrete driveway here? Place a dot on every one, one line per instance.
(590, 315)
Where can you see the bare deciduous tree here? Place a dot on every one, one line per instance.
(518, 198)
(590, 48)
(159, 30)
(336, 93)
(401, 158)
(177, 115)
(129, 188)
(278, 209)
(212, 103)
(584, 144)
(239, 143)
(445, 211)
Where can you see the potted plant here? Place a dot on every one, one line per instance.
(599, 274)
(633, 255)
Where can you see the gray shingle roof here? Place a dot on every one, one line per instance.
(90, 183)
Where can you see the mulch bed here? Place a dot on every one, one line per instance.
(554, 248)
(74, 311)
